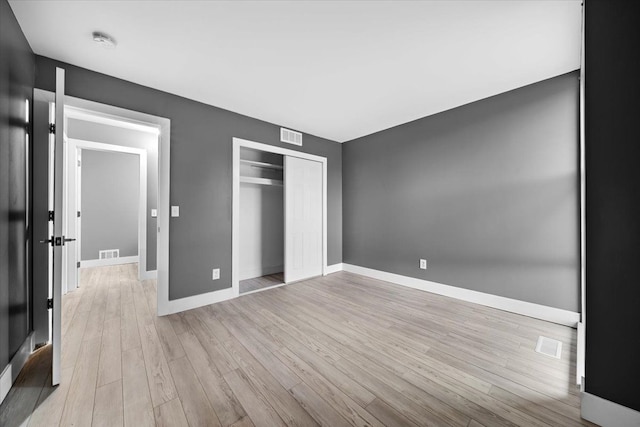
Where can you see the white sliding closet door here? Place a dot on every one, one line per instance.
(303, 218)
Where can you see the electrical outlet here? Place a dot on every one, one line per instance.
(423, 264)
(215, 275)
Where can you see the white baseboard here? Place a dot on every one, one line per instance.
(606, 413)
(110, 261)
(188, 303)
(14, 367)
(149, 275)
(334, 268)
(538, 311)
(580, 354)
(260, 271)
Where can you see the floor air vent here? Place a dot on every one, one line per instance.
(109, 253)
(549, 346)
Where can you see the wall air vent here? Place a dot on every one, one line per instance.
(109, 254)
(290, 136)
(549, 346)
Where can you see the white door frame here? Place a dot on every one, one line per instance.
(235, 234)
(73, 202)
(109, 114)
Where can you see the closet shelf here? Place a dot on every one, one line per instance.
(260, 181)
(263, 165)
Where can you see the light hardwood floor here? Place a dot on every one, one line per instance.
(336, 351)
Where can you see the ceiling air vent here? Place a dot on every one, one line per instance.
(290, 136)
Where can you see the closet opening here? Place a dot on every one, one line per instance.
(261, 214)
(279, 216)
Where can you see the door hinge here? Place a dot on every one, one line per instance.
(52, 128)
(50, 303)
(78, 214)
(79, 163)
(51, 215)
(78, 264)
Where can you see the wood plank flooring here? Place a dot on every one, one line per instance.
(340, 350)
(262, 282)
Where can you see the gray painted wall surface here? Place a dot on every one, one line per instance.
(201, 151)
(96, 132)
(110, 198)
(487, 193)
(16, 85)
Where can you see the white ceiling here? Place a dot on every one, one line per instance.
(336, 69)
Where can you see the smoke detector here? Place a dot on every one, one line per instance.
(104, 40)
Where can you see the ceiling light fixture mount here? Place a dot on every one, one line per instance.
(104, 40)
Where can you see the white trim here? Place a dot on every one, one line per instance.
(109, 120)
(14, 367)
(538, 311)
(606, 413)
(580, 350)
(581, 343)
(235, 233)
(195, 301)
(77, 144)
(109, 261)
(334, 268)
(149, 275)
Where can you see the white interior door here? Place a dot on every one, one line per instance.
(303, 208)
(56, 190)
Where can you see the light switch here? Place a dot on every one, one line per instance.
(154, 213)
(175, 210)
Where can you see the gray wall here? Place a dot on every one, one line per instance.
(96, 132)
(487, 193)
(16, 85)
(110, 198)
(201, 178)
